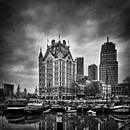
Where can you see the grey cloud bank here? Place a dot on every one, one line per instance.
(25, 25)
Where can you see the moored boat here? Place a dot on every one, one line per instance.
(121, 109)
(71, 109)
(15, 106)
(106, 109)
(46, 107)
(47, 111)
(57, 108)
(120, 118)
(34, 108)
(83, 108)
(15, 117)
(2, 109)
(92, 113)
(99, 108)
(31, 119)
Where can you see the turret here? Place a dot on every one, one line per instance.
(64, 42)
(40, 55)
(53, 42)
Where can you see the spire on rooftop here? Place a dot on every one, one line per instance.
(40, 54)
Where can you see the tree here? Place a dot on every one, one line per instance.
(75, 88)
(127, 80)
(92, 88)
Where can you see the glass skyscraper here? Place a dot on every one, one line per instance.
(93, 72)
(108, 68)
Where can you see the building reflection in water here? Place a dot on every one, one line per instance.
(67, 122)
(78, 122)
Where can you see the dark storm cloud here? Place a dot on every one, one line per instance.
(12, 35)
(84, 20)
(112, 17)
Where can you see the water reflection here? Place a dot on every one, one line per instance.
(66, 122)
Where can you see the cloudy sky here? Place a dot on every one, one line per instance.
(25, 26)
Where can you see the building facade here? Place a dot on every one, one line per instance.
(56, 70)
(108, 68)
(6, 89)
(93, 72)
(9, 89)
(105, 90)
(122, 89)
(79, 68)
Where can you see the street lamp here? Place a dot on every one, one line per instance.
(75, 90)
(60, 92)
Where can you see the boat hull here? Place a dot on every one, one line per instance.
(47, 111)
(100, 109)
(70, 109)
(91, 113)
(120, 118)
(120, 109)
(14, 110)
(16, 119)
(15, 116)
(57, 109)
(31, 119)
(33, 110)
(82, 109)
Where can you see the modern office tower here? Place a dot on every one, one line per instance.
(8, 89)
(79, 67)
(108, 68)
(93, 72)
(56, 70)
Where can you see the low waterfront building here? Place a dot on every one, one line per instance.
(9, 89)
(122, 89)
(105, 90)
(6, 89)
(24, 94)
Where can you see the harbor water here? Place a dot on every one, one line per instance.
(67, 121)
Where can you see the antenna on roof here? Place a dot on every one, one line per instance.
(40, 49)
(107, 39)
(47, 41)
(59, 37)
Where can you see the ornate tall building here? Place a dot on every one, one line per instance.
(56, 70)
(108, 69)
